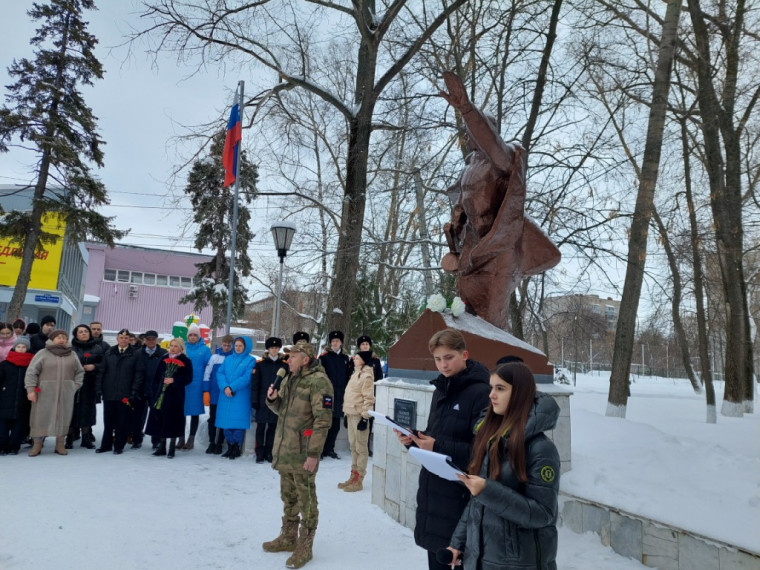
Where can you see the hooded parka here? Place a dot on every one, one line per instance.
(511, 525)
(234, 412)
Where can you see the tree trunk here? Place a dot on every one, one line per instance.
(675, 305)
(637, 246)
(343, 290)
(699, 285)
(725, 200)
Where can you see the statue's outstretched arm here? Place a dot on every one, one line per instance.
(483, 133)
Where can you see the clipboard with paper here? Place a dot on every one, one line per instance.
(381, 419)
(437, 463)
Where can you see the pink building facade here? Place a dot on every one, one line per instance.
(139, 288)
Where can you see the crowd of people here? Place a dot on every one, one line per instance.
(501, 513)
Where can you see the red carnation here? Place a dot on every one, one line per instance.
(37, 389)
(125, 401)
(87, 355)
(308, 432)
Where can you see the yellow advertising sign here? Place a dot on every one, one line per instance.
(46, 263)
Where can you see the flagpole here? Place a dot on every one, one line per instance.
(231, 288)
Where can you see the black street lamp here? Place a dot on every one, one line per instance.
(283, 233)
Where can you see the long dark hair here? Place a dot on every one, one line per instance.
(74, 333)
(512, 423)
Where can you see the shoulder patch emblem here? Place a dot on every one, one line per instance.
(547, 474)
(327, 401)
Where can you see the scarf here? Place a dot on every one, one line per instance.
(19, 358)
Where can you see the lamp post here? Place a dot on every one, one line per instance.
(283, 233)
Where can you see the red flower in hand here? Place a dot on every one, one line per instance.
(125, 401)
(87, 355)
(308, 432)
(37, 389)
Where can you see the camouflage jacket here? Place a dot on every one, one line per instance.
(304, 405)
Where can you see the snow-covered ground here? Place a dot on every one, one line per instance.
(665, 462)
(199, 511)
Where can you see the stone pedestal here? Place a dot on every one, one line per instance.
(410, 357)
(395, 473)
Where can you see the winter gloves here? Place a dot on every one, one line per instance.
(363, 423)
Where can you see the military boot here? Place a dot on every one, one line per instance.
(302, 553)
(286, 542)
(355, 485)
(347, 482)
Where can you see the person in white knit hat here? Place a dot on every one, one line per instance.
(199, 354)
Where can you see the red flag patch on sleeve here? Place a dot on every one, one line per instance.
(327, 401)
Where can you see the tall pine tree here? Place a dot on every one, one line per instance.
(213, 205)
(45, 112)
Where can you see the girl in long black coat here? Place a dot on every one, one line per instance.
(14, 405)
(90, 354)
(167, 411)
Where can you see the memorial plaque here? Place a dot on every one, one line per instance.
(405, 413)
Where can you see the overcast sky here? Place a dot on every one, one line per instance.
(142, 105)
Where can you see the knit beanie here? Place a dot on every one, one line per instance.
(366, 356)
(47, 319)
(194, 329)
(58, 332)
(32, 328)
(23, 340)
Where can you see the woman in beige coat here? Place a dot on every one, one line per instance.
(358, 400)
(52, 380)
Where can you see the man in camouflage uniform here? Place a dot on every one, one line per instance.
(304, 404)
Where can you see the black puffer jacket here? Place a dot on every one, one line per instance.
(511, 525)
(456, 405)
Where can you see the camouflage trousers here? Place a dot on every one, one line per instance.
(298, 492)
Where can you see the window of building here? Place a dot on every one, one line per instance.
(595, 309)
(137, 277)
(109, 275)
(173, 281)
(122, 276)
(186, 282)
(162, 280)
(149, 278)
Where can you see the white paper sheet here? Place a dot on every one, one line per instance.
(380, 418)
(436, 463)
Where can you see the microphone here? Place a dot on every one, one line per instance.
(281, 373)
(445, 556)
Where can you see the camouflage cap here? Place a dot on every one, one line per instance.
(304, 347)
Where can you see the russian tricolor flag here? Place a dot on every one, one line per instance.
(231, 144)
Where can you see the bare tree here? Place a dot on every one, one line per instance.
(279, 36)
(717, 97)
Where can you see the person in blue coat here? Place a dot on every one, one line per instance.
(199, 354)
(211, 394)
(233, 412)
